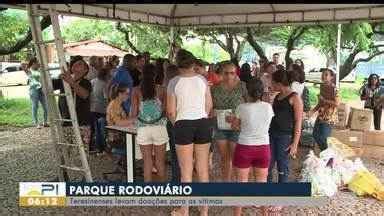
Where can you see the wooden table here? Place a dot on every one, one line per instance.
(132, 150)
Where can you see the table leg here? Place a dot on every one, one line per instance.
(130, 157)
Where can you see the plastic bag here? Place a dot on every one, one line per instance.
(321, 177)
(323, 183)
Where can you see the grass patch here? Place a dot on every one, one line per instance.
(16, 112)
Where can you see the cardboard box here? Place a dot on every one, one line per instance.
(348, 137)
(343, 111)
(358, 151)
(343, 149)
(361, 119)
(374, 137)
(371, 151)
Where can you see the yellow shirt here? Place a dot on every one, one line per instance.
(115, 112)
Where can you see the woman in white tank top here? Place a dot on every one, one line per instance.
(188, 104)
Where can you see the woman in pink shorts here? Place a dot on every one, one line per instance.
(252, 150)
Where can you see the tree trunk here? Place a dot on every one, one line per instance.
(292, 40)
(256, 46)
(45, 23)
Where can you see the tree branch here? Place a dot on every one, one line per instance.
(301, 32)
(374, 25)
(367, 59)
(44, 23)
(126, 33)
(219, 42)
(377, 46)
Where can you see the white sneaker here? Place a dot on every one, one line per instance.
(38, 126)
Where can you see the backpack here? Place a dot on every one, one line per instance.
(305, 98)
(150, 111)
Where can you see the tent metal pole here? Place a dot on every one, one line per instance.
(338, 56)
(171, 43)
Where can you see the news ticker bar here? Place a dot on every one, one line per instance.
(164, 194)
(190, 189)
(170, 201)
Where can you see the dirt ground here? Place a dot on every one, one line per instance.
(27, 155)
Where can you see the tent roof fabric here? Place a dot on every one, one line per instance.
(208, 15)
(92, 48)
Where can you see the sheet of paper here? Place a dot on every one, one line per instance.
(221, 123)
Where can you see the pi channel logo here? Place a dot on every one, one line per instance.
(42, 189)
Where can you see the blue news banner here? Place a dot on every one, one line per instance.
(166, 194)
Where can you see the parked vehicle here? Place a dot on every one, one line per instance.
(15, 75)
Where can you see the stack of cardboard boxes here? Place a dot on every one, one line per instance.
(355, 129)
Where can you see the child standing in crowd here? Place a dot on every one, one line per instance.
(370, 93)
(192, 128)
(99, 101)
(227, 96)
(148, 107)
(326, 108)
(36, 92)
(252, 149)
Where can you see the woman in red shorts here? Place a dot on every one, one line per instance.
(252, 150)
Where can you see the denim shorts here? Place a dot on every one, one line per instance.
(230, 135)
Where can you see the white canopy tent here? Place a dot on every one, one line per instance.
(209, 15)
(222, 15)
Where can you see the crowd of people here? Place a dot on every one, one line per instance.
(253, 114)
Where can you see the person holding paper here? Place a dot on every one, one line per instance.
(226, 97)
(252, 149)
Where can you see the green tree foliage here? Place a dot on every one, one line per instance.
(205, 50)
(356, 38)
(13, 24)
(146, 38)
(233, 42)
(86, 29)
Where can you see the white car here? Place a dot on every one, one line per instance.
(13, 75)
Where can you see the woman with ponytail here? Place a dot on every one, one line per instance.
(148, 107)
